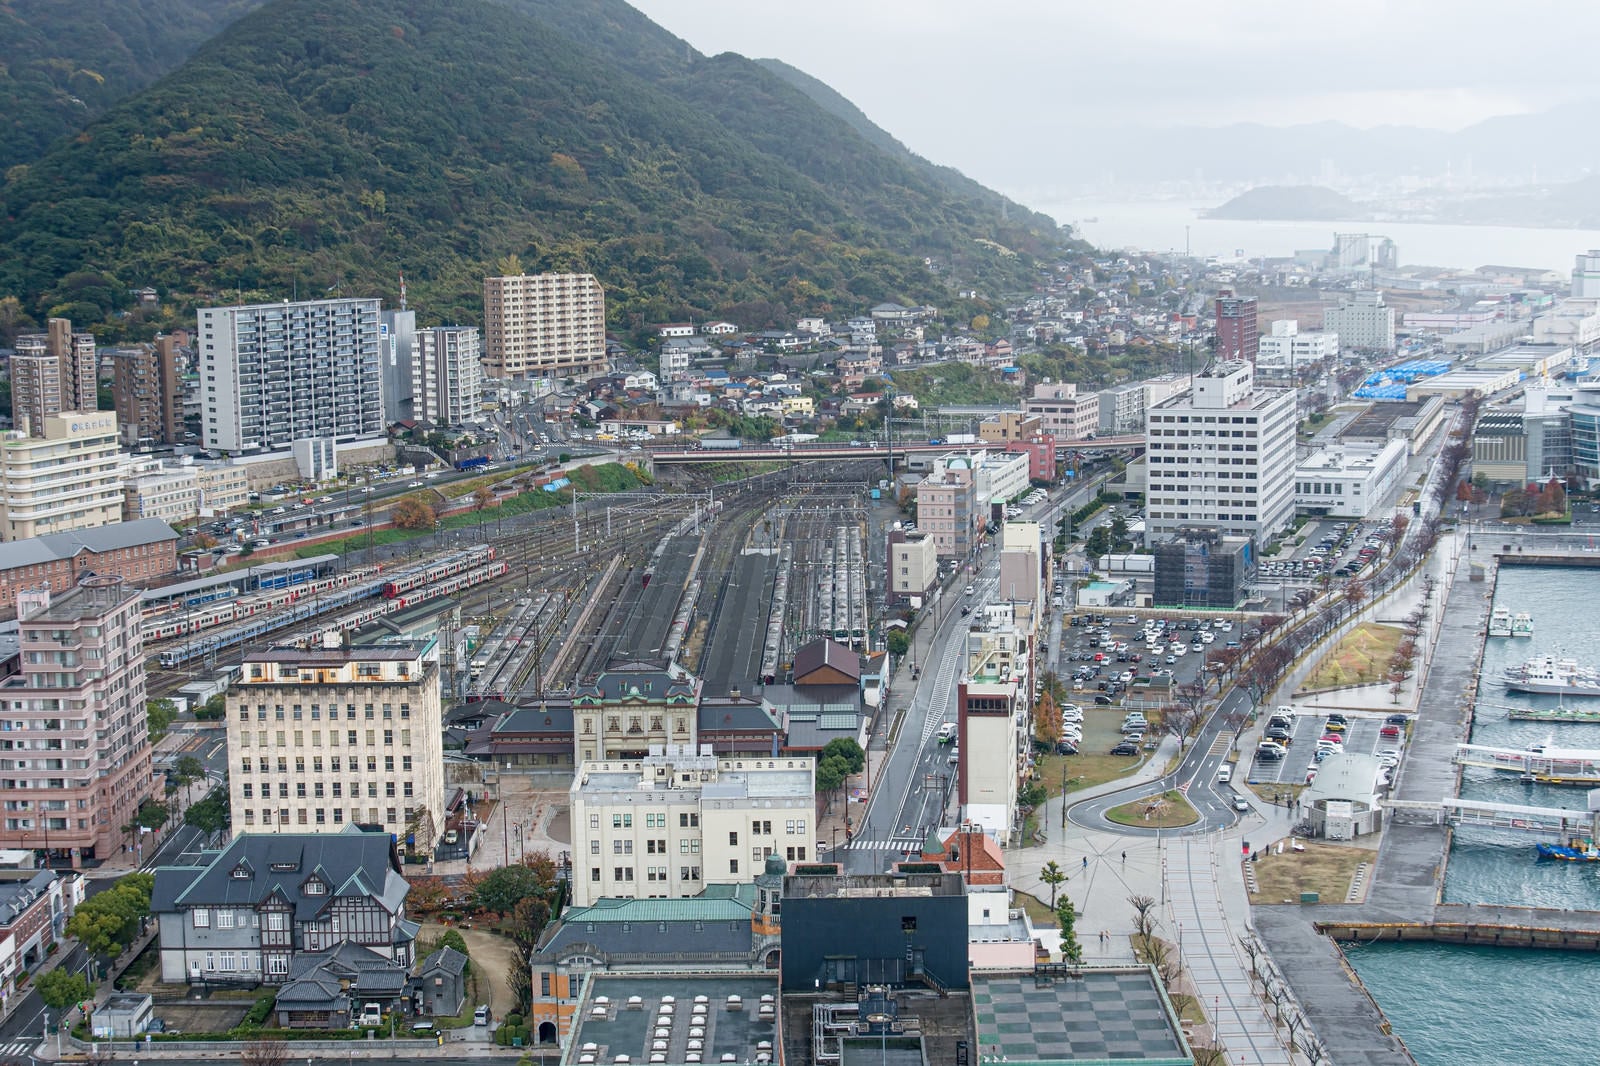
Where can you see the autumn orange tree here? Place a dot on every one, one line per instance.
(413, 512)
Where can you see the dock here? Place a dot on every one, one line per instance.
(1547, 765)
(1312, 944)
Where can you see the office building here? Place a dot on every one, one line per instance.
(1237, 332)
(673, 822)
(1222, 456)
(1287, 352)
(146, 392)
(447, 375)
(544, 326)
(1362, 321)
(65, 479)
(52, 372)
(913, 567)
(1009, 426)
(1350, 481)
(79, 766)
(1202, 568)
(1586, 274)
(1063, 412)
(181, 490)
(321, 738)
(272, 374)
(946, 510)
(993, 700)
(902, 924)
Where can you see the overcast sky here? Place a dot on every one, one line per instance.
(964, 82)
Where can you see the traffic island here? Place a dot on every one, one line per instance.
(1166, 810)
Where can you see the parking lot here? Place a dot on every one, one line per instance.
(1105, 656)
(1332, 546)
(1362, 736)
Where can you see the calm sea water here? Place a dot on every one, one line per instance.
(1456, 1006)
(1165, 226)
(1483, 1006)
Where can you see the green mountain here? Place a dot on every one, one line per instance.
(323, 143)
(62, 65)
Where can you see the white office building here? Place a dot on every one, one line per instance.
(669, 824)
(272, 374)
(1285, 350)
(1222, 456)
(1362, 320)
(1349, 481)
(446, 375)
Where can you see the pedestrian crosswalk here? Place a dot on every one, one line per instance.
(17, 1049)
(900, 843)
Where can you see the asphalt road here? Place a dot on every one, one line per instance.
(1196, 774)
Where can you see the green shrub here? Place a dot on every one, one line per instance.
(513, 1020)
(261, 1010)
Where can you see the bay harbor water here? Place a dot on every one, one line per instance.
(1163, 226)
(1481, 1006)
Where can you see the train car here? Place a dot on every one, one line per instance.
(719, 444)
(415, 577)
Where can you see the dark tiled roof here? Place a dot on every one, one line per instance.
(16, 897)
(824, 652)
(447, 959)
(256, 865)
(314, 977)
(638, 681)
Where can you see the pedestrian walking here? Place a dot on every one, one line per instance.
(1124, 858)
(1086, 862)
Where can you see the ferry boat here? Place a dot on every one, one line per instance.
(1522, 624)
(1500, 622)
(1572, 851)
(1549, 676)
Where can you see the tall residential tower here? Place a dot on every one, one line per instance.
(273, 374)
(543, 326)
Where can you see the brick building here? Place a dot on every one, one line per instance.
(142, 553)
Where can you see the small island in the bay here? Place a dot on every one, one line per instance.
(1299, 203)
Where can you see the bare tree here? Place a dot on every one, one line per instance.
(1179, 720)
(1252, 951)
(1161, 955)
(265, 1053)
(1144, 917)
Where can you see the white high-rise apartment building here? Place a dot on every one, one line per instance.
(272, 374)
(1287, 349)
(1222, 456)
(1362, 320)
(543, 326)
(323, 737)
(447, 375)
(667, 825)
(68, 478)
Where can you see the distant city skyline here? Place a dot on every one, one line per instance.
(958, 83)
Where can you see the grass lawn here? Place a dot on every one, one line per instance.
(1038, 913)
(1170, 810)
(1325, 869)
(1361, 658)
(1267, 790)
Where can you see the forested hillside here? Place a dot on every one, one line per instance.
(320, 144)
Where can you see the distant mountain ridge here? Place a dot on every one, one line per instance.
(1541, 144)
(1290, 202)
(322, 143)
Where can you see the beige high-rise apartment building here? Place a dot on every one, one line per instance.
(50, 373)
(320, 738)
(543, 326)
(75, 765)
(67, 478)
(144, 387)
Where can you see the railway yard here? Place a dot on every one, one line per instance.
(727, 581)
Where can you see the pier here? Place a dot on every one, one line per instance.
(1550, 765)
(1309, 943)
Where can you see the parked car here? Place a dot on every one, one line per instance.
(1125, 748)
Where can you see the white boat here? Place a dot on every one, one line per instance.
(1547, 675)
(1522, 624)
(1500, 622)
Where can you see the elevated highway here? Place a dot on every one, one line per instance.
(820, 450)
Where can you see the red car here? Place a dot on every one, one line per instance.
(1390, 732)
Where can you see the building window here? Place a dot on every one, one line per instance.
(202, 918)
(733, 866)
